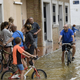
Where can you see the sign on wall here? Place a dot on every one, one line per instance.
(75, 1)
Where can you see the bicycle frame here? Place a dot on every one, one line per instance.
(32, 67)
(67, 52)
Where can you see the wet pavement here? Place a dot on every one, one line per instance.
(51, 64)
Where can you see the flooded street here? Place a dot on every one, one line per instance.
(51, 64)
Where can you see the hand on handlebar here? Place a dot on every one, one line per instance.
(34, 57)
(59, 43)
(4, 44)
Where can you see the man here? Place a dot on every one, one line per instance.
(17, 33)
(35, 30)
(67, 36)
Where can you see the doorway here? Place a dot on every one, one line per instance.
(47, 21)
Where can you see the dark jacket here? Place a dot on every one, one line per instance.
(29, 38)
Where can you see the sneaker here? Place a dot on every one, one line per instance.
(73, 58)
(15, 76)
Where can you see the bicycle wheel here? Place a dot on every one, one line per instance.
(1, 66)
(65, 57)
(7, 74)
(42, 74)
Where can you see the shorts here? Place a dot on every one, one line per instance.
(63, 47)
(35, 40)
(20, 67)
(22, 56)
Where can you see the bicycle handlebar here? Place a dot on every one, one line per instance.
(35, 58)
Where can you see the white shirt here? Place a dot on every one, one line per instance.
(6, 35)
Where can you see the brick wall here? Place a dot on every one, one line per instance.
(34, 10)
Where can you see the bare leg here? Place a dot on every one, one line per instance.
(63, 57)
(22, 75)
(74, 50)
(24, 62)
(27, 61)
(7, 55)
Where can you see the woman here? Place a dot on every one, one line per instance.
(29, 40)
(6, 35)
(23, 28)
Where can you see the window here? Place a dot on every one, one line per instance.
(76, 2)
(45, 25)
(66, 14)
(54, 13)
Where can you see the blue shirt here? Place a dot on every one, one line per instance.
(67, 36)
(74, 29)
(15, 35)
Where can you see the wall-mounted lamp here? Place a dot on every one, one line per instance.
(18, 3)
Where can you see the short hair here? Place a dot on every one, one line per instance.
(67, 25)
(74, 25)
(17, 40)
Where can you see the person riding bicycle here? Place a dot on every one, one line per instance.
(17, 52)
(74, 30)
(67, 36)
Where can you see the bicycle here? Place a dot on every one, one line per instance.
(37, 73)
(2, 57)
(67, 53)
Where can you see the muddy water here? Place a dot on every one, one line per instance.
(51, 64)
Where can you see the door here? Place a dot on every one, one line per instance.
(60, 18)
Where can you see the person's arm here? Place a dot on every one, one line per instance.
(73, 38)
(23, 52)
(10, 40)
(38, 29)
(61, 34)
(72, 34)
(22, 29)
(9, 33)
(26, 53)
(60, 38)
(37, 32)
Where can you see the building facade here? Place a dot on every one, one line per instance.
(51, 15)
(75, 11)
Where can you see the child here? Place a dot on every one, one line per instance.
(17, 51)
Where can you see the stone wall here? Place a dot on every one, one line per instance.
(34, 10)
